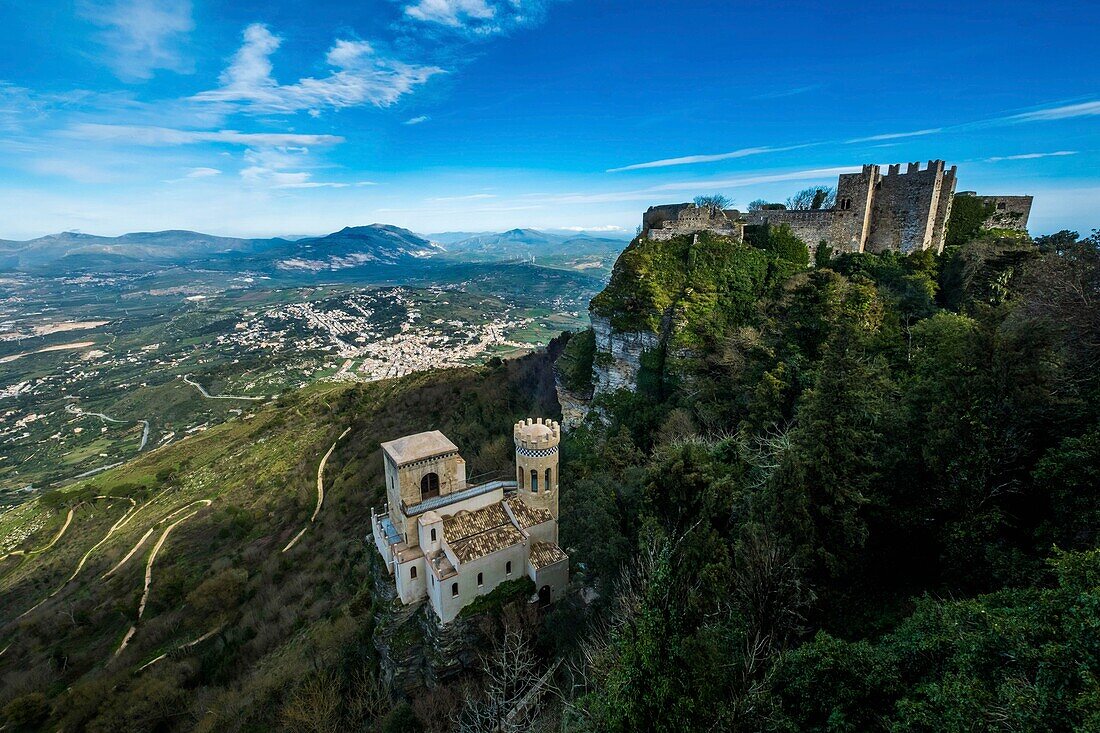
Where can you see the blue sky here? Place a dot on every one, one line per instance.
(278, 117)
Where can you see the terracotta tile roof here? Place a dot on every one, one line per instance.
(467, 523)
(486, 543)
(527, 516)
(545, 553)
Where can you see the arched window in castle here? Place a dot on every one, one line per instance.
(508, 568)
(429, 486)
(433, 534)
(519, 474)
(454, 590)
(480, 579)
(534, 481)
(412, 573)
(548, 484)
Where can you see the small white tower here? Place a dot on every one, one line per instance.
(537, 463)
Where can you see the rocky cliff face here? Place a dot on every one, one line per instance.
(618, 355)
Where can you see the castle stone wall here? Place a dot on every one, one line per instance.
(1009, 212)
(904, 208)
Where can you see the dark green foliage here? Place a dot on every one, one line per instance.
(1015, 660)
(27, 713)
(703, 288)
(574, 366)
(968, 216)
(401, 720)
(885, 432)
(507, 592)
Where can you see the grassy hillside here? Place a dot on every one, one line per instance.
(269, 620)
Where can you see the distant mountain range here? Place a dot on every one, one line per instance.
(376, 245)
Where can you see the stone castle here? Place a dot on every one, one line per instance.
(874, 212)
(447, 541)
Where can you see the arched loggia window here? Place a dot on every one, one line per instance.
(429, 486)
(534, 481)
(548, 484)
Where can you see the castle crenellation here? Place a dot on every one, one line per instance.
(874, 212)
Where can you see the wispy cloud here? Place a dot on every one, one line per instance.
(417, 120)
(695, 186)
(693, 159)
(165, 136)
(478, 17)
(142, 36)
(359, 77)
(780, 93)
(454, 13)
(895, 135)
(203, 173)
(1031, 156)
(1062, 112)
(471, 197)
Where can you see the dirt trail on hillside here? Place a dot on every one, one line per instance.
(149, 564)
(181, 647)
(80, 565)
(320, 491)
(40, 550)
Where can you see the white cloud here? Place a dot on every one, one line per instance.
(164, 136)
(203, 173)
(452, 13)
(478, 17)
(417, 120)
(1064, 112)
(1031, 156)
(896, 135)
(142, 36)
(360, 76)
(692, 159)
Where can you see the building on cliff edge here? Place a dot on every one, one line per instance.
(447, 541)
(874, 212)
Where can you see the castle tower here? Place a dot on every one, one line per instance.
(537, 463)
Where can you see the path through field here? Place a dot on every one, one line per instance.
(320, 491)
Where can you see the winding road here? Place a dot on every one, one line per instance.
(107, 418)
(207, 395)
(320, 491)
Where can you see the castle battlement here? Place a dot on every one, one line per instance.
(536, 435)
(896, 211)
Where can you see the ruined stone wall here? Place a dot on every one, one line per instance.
(809, 226)
(1009, 212)
(662, 223)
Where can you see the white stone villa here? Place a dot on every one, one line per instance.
(449, 541)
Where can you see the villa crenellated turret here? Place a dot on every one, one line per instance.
(537, 463)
